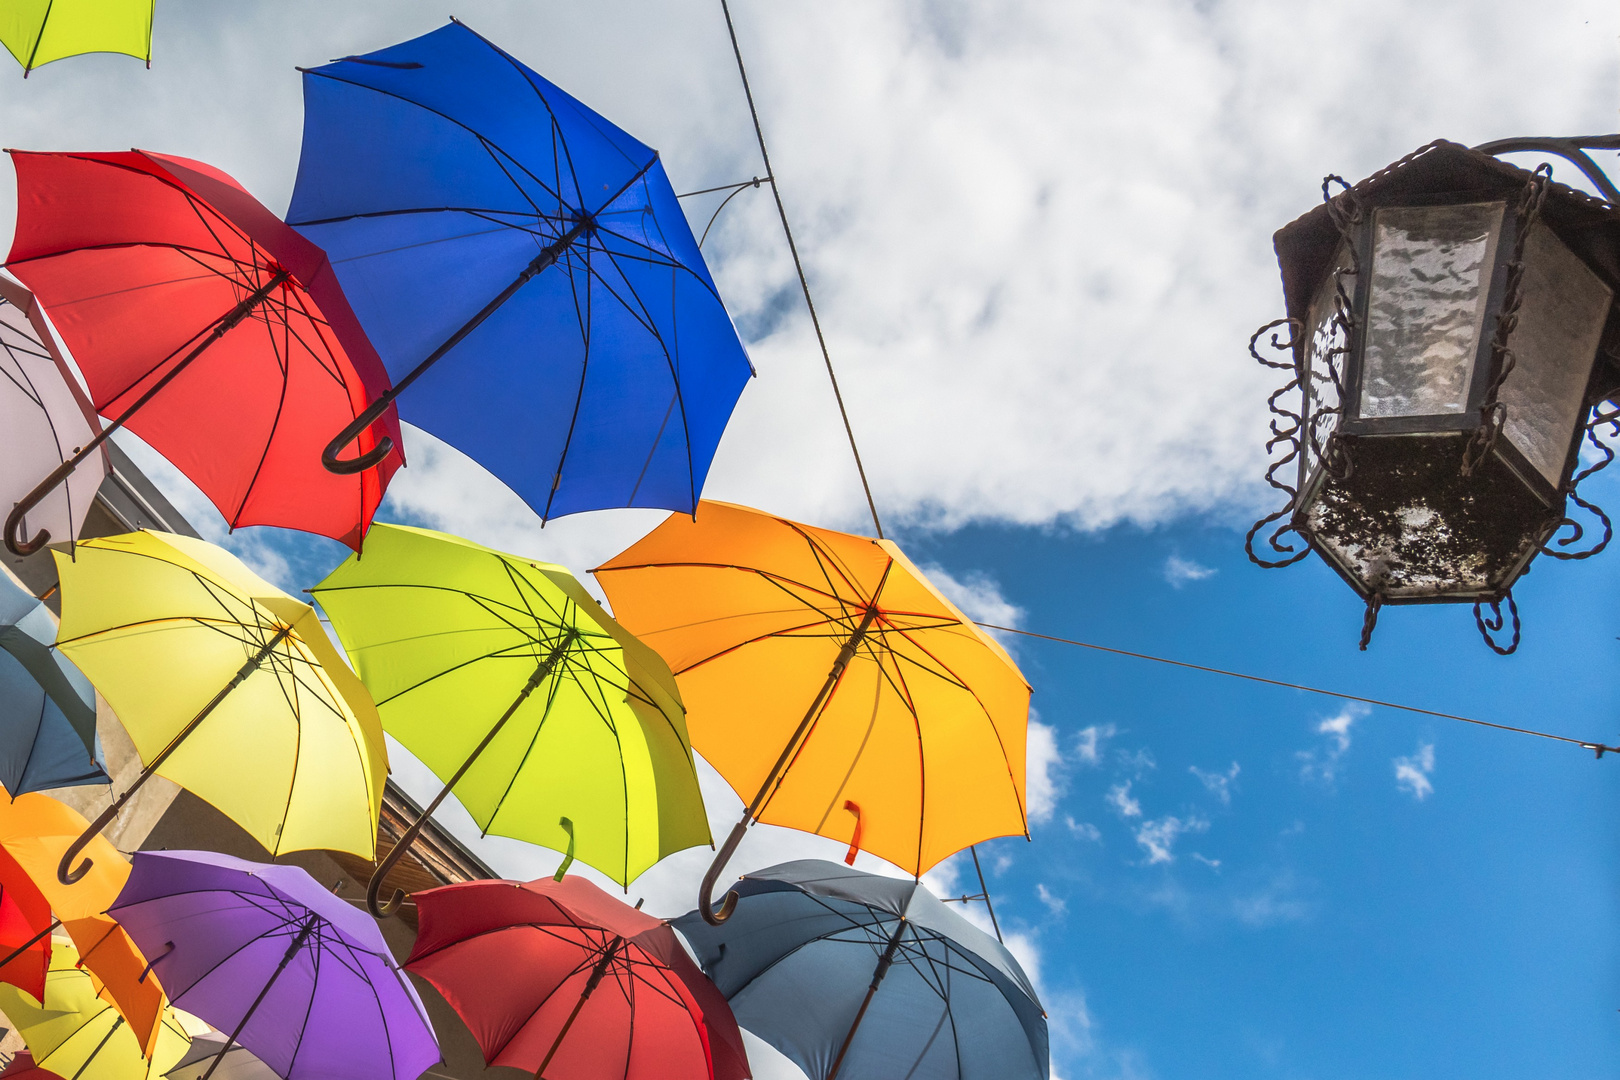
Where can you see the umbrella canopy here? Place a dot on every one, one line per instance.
(22, 1066)
(47, 706)
(227, 686)
(264, 952)
(25, 928)
(36, 32)
(208, 327)
(505, 678)
(238, 1063)
(869, 978)
(913, 742)
(36, 831)
(559, 979)
(478, 214)
(44, 419)
(75, 1031)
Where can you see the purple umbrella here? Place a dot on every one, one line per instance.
(297, 976)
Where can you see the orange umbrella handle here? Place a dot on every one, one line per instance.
(855, 840)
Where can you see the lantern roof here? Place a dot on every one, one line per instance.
(1448, 172)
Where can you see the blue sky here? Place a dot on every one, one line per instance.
(1351, 928)
(1039, 235)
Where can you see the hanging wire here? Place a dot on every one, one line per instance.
(804, 282)
(1596, 747)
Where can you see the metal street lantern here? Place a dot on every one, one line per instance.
(1452, 336)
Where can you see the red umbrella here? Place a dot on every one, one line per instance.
(25, 929)
(206, 326)
(22, 1067)
(561, 980)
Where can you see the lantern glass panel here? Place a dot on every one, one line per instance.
(1326, 347)
(1561, 315)
(1430, 282)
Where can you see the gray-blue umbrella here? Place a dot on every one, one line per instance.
(859, 977)
(47, 707)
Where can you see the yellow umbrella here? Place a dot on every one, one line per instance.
(78, 1033)
(35, 830)
(834, 688)
(39, 31)
(227, 686)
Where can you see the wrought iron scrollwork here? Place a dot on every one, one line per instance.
(1492, 412)
(1492, 624)
(1288, 430)
(1610, 419)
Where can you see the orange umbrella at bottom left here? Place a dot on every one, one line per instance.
(35, 831)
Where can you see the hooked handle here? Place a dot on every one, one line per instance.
(374, 886)
(15, 542)
(73, 876)
(706, 891)
(371, 458)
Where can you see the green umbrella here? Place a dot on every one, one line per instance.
(551, 722)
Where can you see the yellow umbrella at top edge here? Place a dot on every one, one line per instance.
(227, 686)
(39, 31)
(834, 687)
(78, 1033)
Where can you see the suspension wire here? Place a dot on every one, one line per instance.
(751, 182)
(804, 282)
(1596, 747)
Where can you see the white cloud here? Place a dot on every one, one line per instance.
(977, 594)
(1088, 747)
(1218, 784)
(1119, 797)
(1054, 903)
(1136, 761)
(1083, 829)
(1043, 772)
(1179, 572)
(1412, 773)
(1158, 837)
(1322, 763)
(1213, 864)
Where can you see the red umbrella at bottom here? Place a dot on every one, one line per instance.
(561, 980)
(22, 1067)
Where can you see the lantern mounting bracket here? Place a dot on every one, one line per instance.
(1572, 148)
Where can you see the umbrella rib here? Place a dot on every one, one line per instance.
(427, 109)
(786, 632)
(275, 423)
(584, 319)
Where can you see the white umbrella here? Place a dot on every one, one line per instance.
(44, 418)
(239, 1063)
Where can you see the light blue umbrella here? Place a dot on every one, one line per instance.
(47, 707)
(859, 977)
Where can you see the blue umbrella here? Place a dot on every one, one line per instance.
(477, 214)
(47, 707)
(862, 977)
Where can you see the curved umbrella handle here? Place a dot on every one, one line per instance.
(706, 890)
(374, 886)
(72, 876)
(14, 521)
(371, 458)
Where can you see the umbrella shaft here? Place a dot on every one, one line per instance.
(86, 1064)
(590, 985)
(292, 951)
(845, 655)
(404, 843)
(106, 817)
(541, 262)
(64, 470)
(30, 943)
(884, 963)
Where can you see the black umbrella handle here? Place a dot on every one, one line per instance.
(371, 458)
(729, 903)
(16, 543)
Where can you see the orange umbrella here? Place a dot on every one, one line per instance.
(35, 831)
(912, 746)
